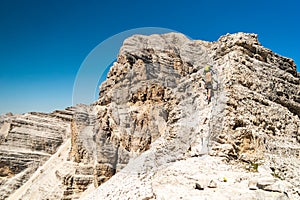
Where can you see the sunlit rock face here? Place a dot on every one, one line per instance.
(152, 135)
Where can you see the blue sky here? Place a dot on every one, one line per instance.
(43, 43)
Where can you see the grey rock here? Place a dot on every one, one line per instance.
(262, 183)
(237, 125)
(212, 184)
(199, 186)
(151, 135)
(252, 184)
(27, 142)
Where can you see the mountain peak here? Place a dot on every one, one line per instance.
(152, 134)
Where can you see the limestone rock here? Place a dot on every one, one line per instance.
(212, 184)
(199, 186)
(26, 142)
(264, 182)
(152, 135)
(252, 184)
(244, 122)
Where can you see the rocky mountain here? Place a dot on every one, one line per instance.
(152, 134)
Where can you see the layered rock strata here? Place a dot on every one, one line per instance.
(253, 118)
(26, 142)
(152, 135)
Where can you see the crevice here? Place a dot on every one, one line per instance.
(115, 163)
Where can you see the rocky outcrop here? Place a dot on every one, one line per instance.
(26, 142)
(254, 107)
(152, 135)
(261, 120)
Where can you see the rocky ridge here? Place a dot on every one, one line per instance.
(27, 142)
(152, 135)
(255, 105)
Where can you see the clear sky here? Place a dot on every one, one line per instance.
(43, 43)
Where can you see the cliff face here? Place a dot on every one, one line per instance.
(27, 142)
(262, 111)
(253, 118)
(152, 135)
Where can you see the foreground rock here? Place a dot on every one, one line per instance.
(152, 135)
(177, 181)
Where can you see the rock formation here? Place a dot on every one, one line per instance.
(152, 135)
(27, 142)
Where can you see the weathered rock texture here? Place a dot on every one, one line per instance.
(261, 120)
(253, 118)
(152, 135)
(27, 142)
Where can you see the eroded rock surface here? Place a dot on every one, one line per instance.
(261, 119)
(152, 135)
(253, 118)
(26, 142)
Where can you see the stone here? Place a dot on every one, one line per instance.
(264, 182)
(264, 169)
(238, 124)
(278, 186)
(151, 135)
(27, 142)
(199, 186)
(252, 184)
(212, 184)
